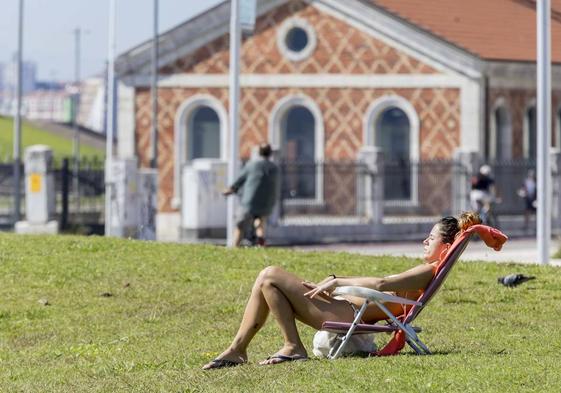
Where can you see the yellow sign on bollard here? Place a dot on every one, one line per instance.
(35, 182)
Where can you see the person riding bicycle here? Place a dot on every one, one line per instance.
(482, 195)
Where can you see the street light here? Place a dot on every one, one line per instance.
(234, 89)
(154, 91)
(17, 121)
(543, 232)
(109, 181)
(76, 108)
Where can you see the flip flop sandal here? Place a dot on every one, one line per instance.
(278, 358)
(222, 363)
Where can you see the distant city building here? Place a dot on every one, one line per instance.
(55, 101)
(49, 85)
(91, 112)
(9, 76)
(48, 105)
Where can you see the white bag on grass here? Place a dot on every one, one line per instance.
(358, 344)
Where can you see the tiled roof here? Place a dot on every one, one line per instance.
(491, 29)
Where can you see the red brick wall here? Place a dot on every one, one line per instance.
(343, 114)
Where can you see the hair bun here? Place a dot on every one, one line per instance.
(468, 219)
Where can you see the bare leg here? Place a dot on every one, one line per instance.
(286, 318)
(255, 315)
(283, 294)
(259, 225)
(237, 237)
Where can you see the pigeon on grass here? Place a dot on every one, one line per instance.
(513, 280)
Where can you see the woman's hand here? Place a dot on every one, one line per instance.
(324, 288)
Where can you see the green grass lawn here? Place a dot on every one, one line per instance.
(33, 136)
(173, 307)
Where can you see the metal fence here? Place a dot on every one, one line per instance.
(318, 191)
(422, 188)
(412, 190)
(79, 193)
(7, 194)
(509, 177)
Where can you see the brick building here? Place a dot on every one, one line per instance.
(321, 79)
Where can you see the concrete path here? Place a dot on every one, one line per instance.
(522, 250)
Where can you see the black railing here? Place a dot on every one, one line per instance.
(79, 193)
(423, 188)
(7, 213)
(337, 189)
(322, 189)
(509, 178)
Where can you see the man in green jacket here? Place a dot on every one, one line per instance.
(259, 183)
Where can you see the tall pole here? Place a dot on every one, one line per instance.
(154, 89)
(109, 181)
(544, 130)
(76, 106)
(235, 43)
(17, 121)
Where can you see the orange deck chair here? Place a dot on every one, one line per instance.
(400, 326)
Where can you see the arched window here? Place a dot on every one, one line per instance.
(203, 138)
(298, 146)
(393, 133)
(530, 140)
(200, 129)
(499, 145)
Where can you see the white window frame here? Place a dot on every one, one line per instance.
(526, 129)
(500, 103)
(283, 31)
(275, 132)
(373, 112)
(181, 133)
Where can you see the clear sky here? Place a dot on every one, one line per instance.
(49, 25)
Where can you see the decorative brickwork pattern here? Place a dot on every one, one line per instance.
(340, 49)
(343, 113)
(169, 101)
(517, 102)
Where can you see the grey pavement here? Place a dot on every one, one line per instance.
(520, 250)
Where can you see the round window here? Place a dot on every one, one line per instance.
(297, 39)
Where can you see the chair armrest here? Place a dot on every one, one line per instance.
(374, 295)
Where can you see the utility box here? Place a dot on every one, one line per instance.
(39, 192)
(203, 207)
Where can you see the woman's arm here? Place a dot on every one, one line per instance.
(413, 279)
(410, 280)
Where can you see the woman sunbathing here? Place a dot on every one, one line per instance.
(288, 298)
